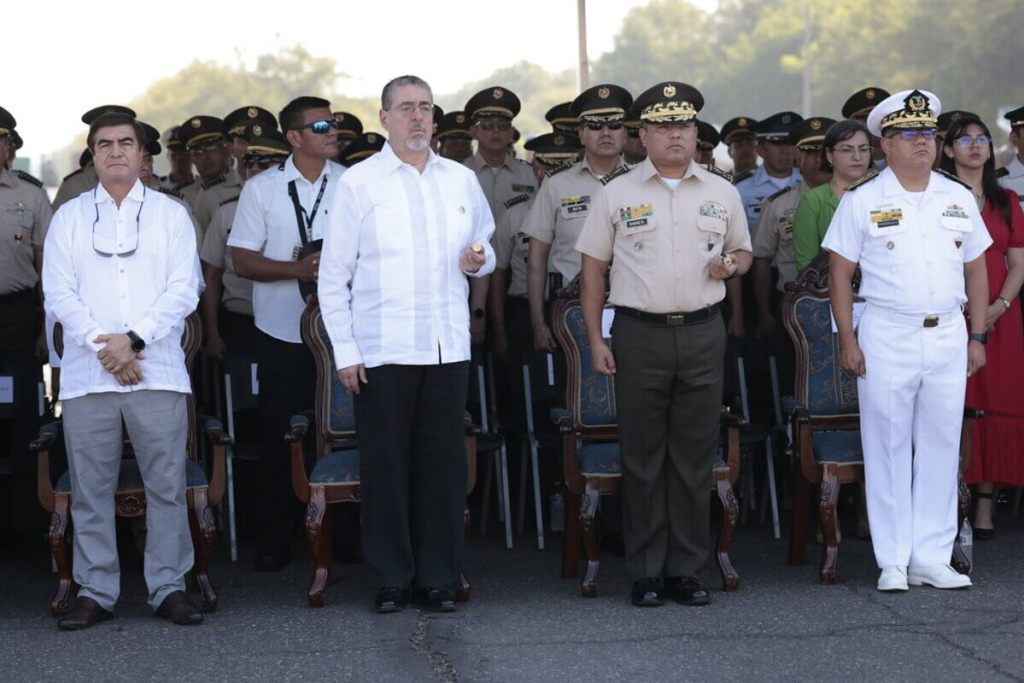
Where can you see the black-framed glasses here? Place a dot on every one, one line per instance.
(598, 125)
(490, 124)
(967, 141)
(320, 127)
(109, 249)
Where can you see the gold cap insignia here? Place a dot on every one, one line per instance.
(603, 93)
(371, 138)
(196, 123)
(786, 118)
(954, 116)
(559, 140)
(498, 93)
(257, 131)
(917, 103)
(669, 90)
(870, 94)
(742, 123)
(252, 112)
(339, 117)
(815, 124)
(460, 118)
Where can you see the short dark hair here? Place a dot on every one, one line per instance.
(291, 116)
(389, 89)
(840, 131)
(115, 119)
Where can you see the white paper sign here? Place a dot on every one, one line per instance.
(255, 381)
(6, 390)
(607, 318)
(858, 311)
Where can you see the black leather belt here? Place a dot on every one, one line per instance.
(20, 295)
(670, 319)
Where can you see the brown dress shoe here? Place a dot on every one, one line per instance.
(84, 614)
(179, 608)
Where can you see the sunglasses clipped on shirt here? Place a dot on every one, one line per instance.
(107, 246)
(320, 127)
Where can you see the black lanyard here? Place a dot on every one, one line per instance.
(305, 220)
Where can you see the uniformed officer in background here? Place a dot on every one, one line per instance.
(858, 106)
(707, 139)
(739, 138)
(234, 127)
(550, 151)
(349, 128)
(362, 148)
(672, 232)
(454, 138)
(211, 153)
(180, 176)
(1011, 176)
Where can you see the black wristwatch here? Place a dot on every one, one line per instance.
(979, 337)
(138, 343)
(478, 314)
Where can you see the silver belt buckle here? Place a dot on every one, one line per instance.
(931, 321)
(675, 319)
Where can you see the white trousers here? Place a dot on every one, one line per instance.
(911, 411)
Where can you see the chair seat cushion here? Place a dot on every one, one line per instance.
(336, 468)
(599, 460)
(842, 447)
(129, 479)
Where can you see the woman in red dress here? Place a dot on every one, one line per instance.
(997, 448)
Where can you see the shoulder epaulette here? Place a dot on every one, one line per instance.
(719, 172)
(775, 195)
(621, 170)
(207, 184)
(169, 191)
(871, 175)
(558, 169)
(230, 199)
(518, 199)
(29, 178)
(740, 178)
(1002, 172)
(954, 178)
(71, 175)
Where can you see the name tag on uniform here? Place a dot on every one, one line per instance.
(523, 188)
(954, 211)
(887, 218)
(576, 205)
(636, 216)
(714, 210)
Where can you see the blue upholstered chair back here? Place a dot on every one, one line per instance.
(821, 385)
(335, 415)
(590, 396)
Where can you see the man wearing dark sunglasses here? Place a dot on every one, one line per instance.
(281, 216)
(121, 275)
(920, 242)
(210, 148)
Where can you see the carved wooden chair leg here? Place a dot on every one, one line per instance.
(730, 513)
(59, 548)
(571, 542)
(798, 529)
(590, 503)
(462, 594)
(959, 560)
(828, 496)
(204, 535)
(319, 535)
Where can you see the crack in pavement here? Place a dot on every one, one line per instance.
(439, 661)
(972, 654)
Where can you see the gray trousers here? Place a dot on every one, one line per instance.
(157, 427)
(668, 389)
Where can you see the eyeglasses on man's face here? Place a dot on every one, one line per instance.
(407, 108)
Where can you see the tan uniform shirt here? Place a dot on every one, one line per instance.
(661, 241)
(237, 294)
(503, 184)
(512, 247)
(189, 191)
(213, 193)
(24, 218)
(82, 180)
(773, 238)
(557, 215)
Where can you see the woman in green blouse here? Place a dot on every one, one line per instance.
(846, 152)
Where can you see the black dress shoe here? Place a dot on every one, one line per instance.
(178, 608)
(647, 593)
(390, 600)
(435, 599)
(271, 562)
(687, 590)
(86, 612)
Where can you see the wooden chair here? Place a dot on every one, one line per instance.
(334, 477)
(825, 418)
(591, 462)
(202, 493)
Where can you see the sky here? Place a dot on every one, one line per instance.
(72, 56)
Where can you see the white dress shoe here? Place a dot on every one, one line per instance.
(937, 576)
(893, 579)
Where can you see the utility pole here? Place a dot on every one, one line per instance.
(583, 70)
(807, 60)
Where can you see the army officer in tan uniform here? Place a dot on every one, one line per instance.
(673, 232)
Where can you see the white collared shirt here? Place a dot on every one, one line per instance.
(911, 247)
(150, 291)
(265, 222)
(391, 290)
(1014, 178)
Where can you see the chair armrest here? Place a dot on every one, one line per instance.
(561, 417)
(731, 419)
(41, 446)
(790, 404)
(297, 428)
(48, 435)
(215, 432)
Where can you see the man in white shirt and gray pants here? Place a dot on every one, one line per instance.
(121, 275)
(406, 228)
